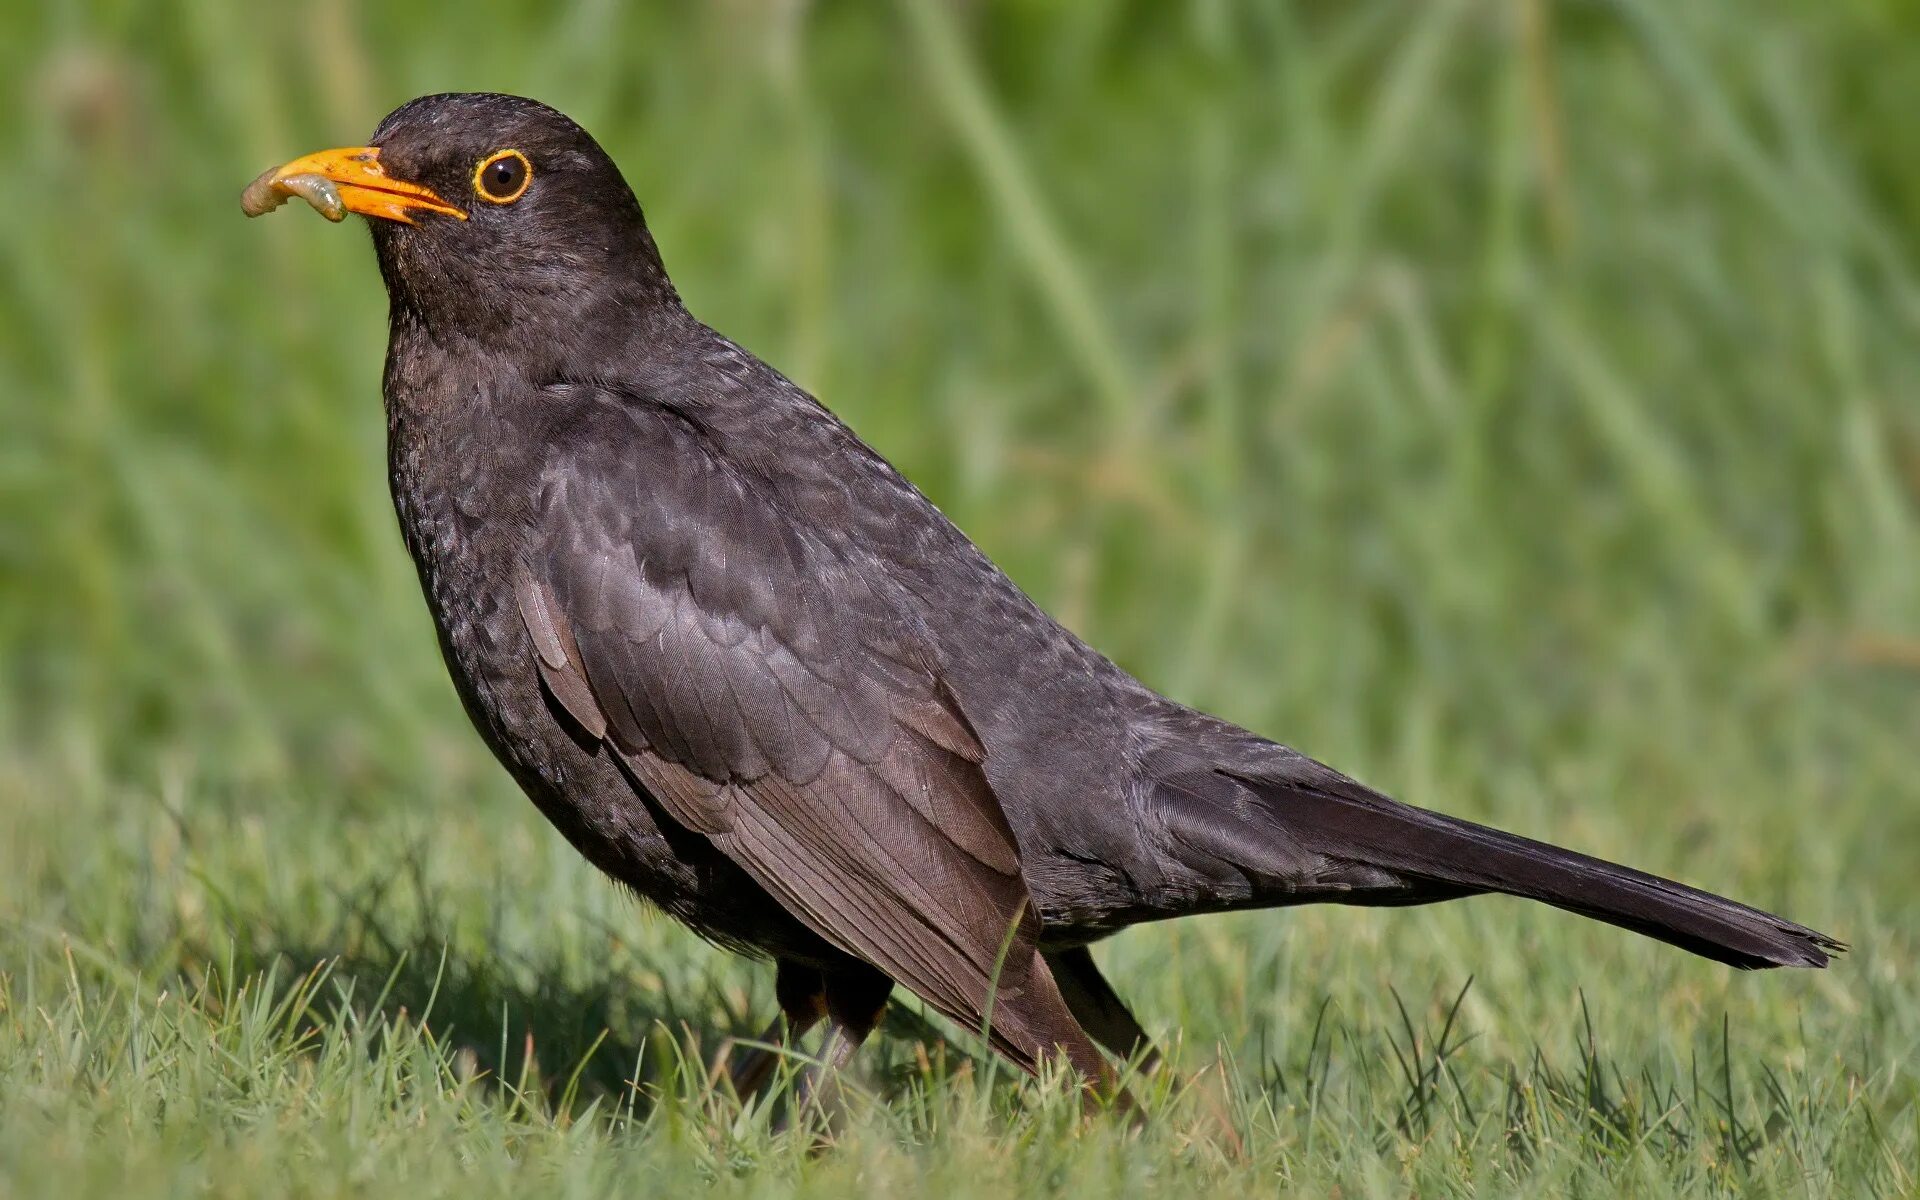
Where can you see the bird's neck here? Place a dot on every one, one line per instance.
(433, 362)
(465, 414)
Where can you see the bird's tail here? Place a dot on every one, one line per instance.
(1369, 849)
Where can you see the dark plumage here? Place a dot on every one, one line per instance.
(753, 674)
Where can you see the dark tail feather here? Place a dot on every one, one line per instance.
(1345, 821)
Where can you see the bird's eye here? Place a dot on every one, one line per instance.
(503, 176)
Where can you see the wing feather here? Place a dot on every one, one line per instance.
(781, 696)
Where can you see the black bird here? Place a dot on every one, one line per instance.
(753, 674)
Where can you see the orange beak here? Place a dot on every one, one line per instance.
(338, 182)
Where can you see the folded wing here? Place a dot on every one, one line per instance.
(776, 694)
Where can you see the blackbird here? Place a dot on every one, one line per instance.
(751, 672)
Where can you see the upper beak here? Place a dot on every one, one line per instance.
(337, 182)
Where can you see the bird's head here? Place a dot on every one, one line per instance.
(487, 211)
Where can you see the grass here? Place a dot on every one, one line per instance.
(1512, 403)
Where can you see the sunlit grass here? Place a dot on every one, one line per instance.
(1512, 403)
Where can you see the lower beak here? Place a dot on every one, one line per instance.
(338, 182)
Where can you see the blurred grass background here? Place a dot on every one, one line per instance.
(1512, 402)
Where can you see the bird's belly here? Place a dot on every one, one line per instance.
(578, 786)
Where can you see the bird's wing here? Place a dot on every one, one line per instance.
(774, 693)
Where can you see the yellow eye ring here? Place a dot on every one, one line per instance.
(502, 177)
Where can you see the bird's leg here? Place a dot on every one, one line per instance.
(1099, 1009)
(802, 995)
(855, 999)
